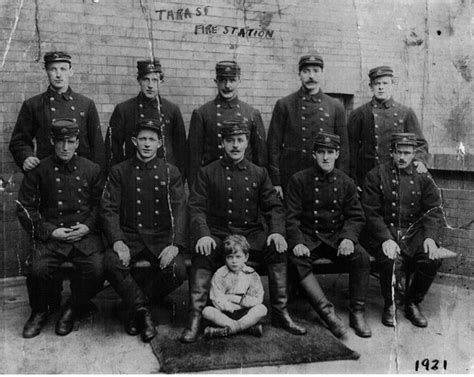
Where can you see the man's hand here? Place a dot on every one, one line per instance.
(420, 167)
(61, 234)
(123, 252)
(301, 250)
(391, 249)
(346, 247)
(30, 163)
(279, 241)
(279, 191)
(205, 245)
(430, 247)
(78, 232)
(167, 255)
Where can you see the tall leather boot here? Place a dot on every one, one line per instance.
(277, 281)
(358, 286)
(145, 321)
(323, 306)
(39, 307)
(420, 285)
(200, 285)
(388, 315)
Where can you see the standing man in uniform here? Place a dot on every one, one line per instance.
(297, 119)
(234, 196)
(34, 124)
(143, 211)
(59, 101)
(371, 126)
(205, 134)
(404, 214)
(59, 207)
(148, 104)
(324, 219)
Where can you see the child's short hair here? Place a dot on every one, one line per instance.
(233, 241)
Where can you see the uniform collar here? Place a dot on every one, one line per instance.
(382, 104)
(305, 96)
(319, 173)
(152, 164)
(146, 101)
(67, 95)
(62, 166)
(220, 102)
(226, 161)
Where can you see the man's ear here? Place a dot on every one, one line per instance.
(51, 140)
(134, 140)
(160, 142)
(337, 153)
(71, 71)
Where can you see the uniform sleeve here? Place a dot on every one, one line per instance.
(257, 140)
(272, 208)
(28, 211)
(21, 142)
(115, 138)
(372, 202)
(97, 185)
(195, 146)
(110, 207)
(179, 141)
(433, 219)
(294, 210)
(275, 141)
(412, 125)
(353, 131)
(217, 293)
(178, 206)
(341, 130)
(198, 206)
(94, 134)
(255, 292)
(354, 218)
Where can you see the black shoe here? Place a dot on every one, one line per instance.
(216, 332)
(284, 321)
(148, 330)
(358, 322)
(34, 324)
(388, 315)
(414, 314)
(131, 327)
(191, 332)
(255, 330)
(65, 323)
(335, 324)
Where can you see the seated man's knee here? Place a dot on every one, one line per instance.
(428, 266)
(208, 312)
(261, 310)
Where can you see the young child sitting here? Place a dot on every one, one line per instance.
(236, 294)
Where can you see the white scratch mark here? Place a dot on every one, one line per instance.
(15, 24)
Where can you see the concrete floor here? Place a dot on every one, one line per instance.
(99, 344)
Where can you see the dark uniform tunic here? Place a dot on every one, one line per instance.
(295, 122)
(322, 210)
(370, 128)
(205, 137)
(402, 205)
(123, 126)
(235, 199)
(56, 195)
(136, 209)
(36, 116)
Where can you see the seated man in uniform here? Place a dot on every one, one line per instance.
(59, 204)
(234, 196)
(324, 219)
(404, 215)
(143, 214)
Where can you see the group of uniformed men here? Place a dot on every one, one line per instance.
(105, 206)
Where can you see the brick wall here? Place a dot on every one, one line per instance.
(106, 38)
